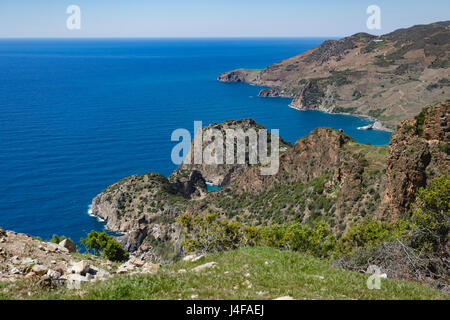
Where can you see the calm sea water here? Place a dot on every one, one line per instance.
(78, 115)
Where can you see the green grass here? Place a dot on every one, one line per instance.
(285, 273)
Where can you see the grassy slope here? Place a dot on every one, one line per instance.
(286, 273)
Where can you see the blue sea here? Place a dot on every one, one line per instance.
(78, 115)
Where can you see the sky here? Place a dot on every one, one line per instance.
(212, 18)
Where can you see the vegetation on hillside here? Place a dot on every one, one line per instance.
(102, 243)
(422, 238)
(249, 273)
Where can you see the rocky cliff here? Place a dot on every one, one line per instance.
(419, 150)
(389, 78)
(222, 174)
(144, 208)
(325, 176)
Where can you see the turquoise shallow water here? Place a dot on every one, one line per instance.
(78, 115)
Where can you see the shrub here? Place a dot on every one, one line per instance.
(115, 252)
(371, 232)
(431, 216)
(420, 118)
(57, 239)
(212, 234)
(101, 242)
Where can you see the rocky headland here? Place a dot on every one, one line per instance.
(389, 78)
(325, 175)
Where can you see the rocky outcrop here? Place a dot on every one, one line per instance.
(240, 75)
(145, 207)
(140, 199)
(418, 152)
(389, 78)
(69, 245)
(222, 174)
(274, 93)
(190, 184)
(47, 264)
(324, 176)
(50, 265)
(328, 176)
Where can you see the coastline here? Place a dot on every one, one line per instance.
(383, 128)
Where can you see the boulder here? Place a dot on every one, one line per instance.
(15, 271)
(69, 245)
(198, 258)
(193, 257)
(54, 274)
(81, 267)
(136, 262)
(189, 257)
(15, 260)
(74, 280)
(28, 261)
(99, 274)
(39, 269)
(205, 266)
(124, 268)
(55, 247)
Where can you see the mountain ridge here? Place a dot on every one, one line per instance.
(388, 78)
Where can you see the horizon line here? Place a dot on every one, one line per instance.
(218, 37)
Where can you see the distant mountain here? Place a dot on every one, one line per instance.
(390, 77)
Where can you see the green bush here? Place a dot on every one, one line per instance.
(212, 234)
(431, 216)
(115, 252)
(57, 239)
(101, 242)
(371, 232)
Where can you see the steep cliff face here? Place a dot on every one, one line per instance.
(328, 176)
(389, 78)
(325, 176)
(144, 208)
(419, 150)
(222, 174)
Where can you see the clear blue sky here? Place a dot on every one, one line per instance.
(212, 18)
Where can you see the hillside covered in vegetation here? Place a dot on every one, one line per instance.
(389, 78)
(332, 197)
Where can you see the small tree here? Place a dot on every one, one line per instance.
(101, 242)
